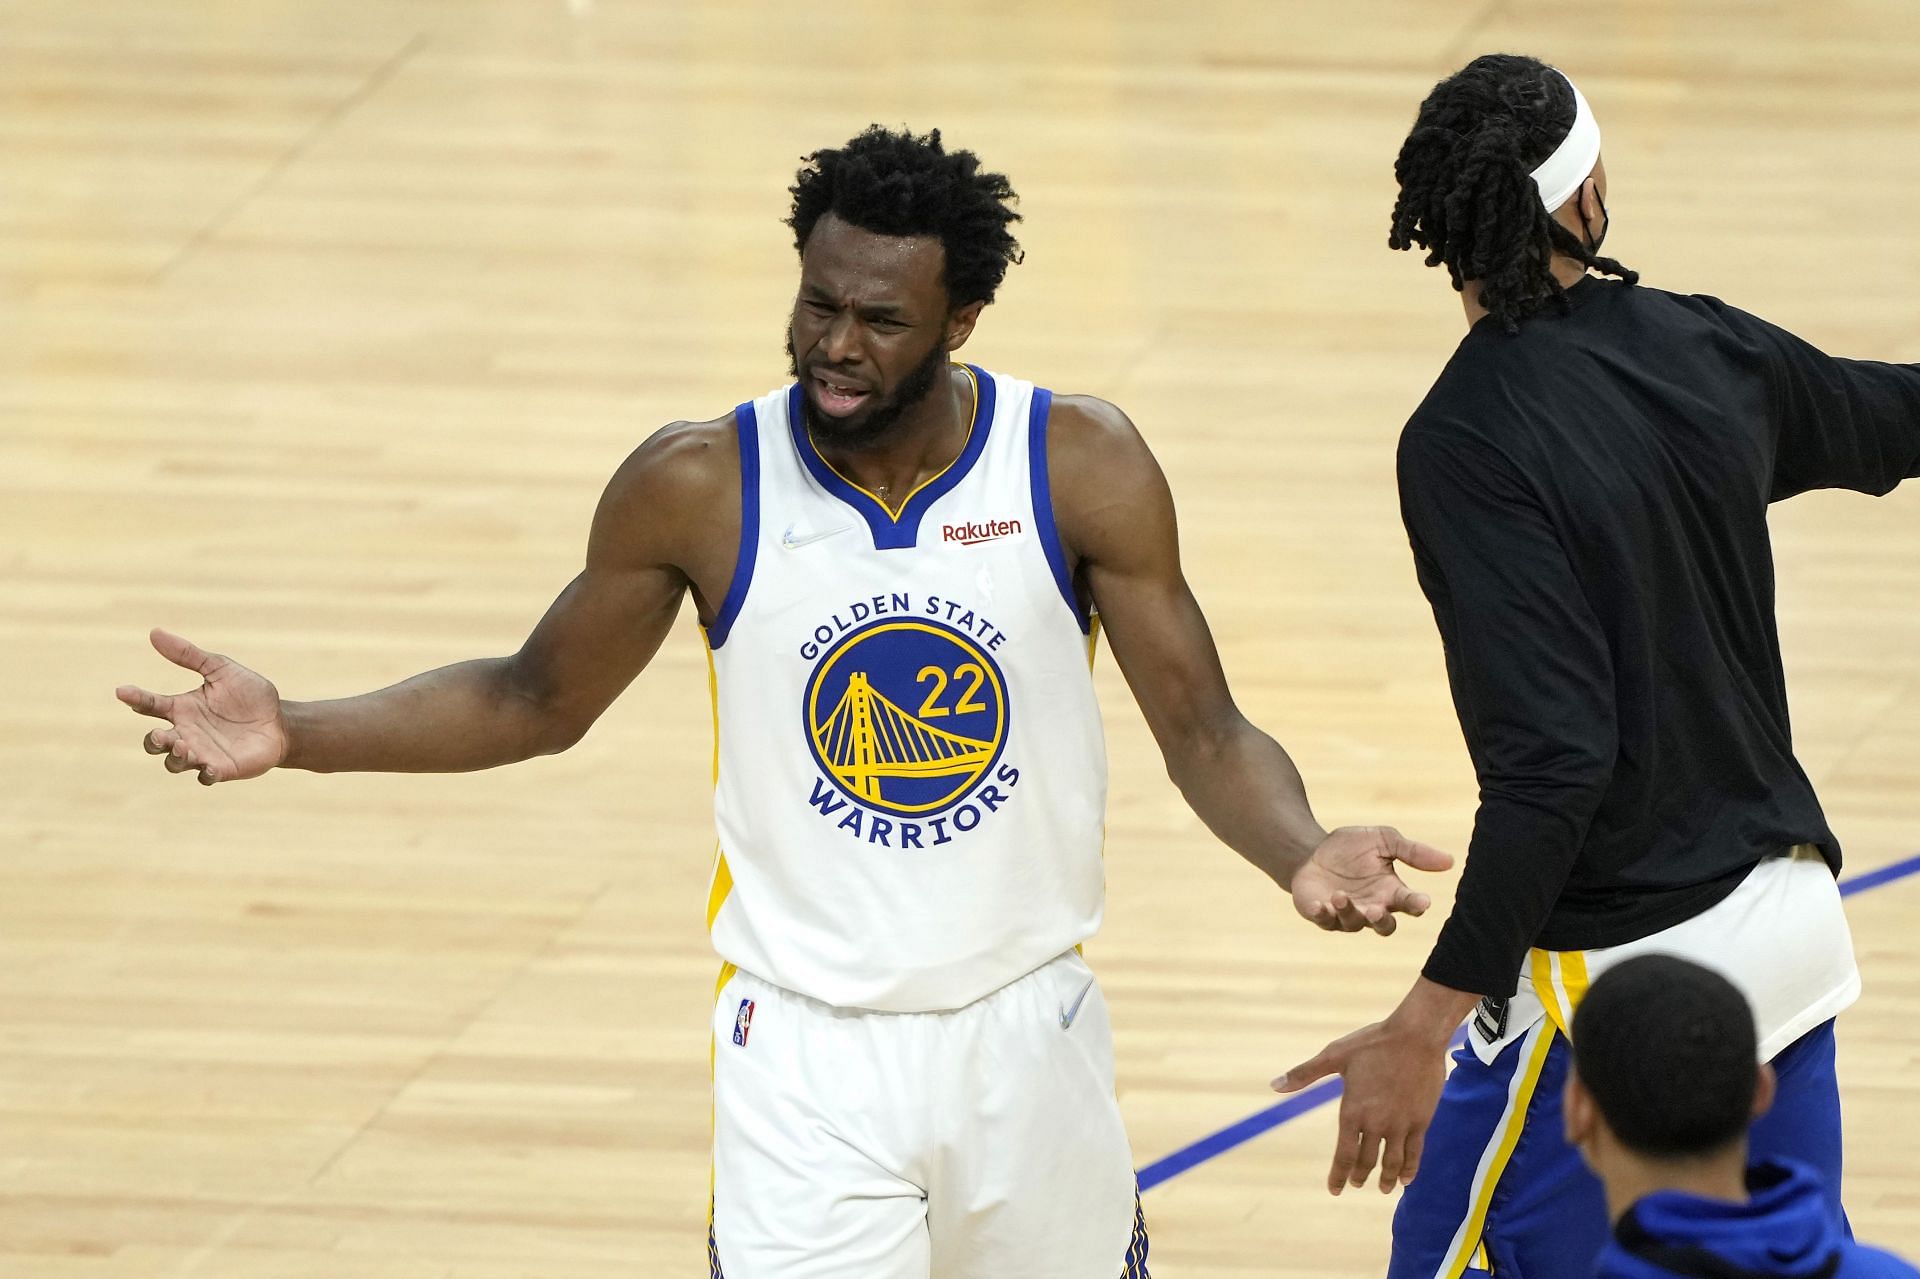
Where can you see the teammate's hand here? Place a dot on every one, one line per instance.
(1393, 1079)
(1350, 882)
(229, 728)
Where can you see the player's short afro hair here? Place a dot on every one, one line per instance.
(905, 184)
(1667, 1050)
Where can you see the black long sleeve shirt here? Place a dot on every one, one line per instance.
(1587, 503)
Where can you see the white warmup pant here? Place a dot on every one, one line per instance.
(980, 1143)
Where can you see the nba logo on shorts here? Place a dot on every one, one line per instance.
(743, 1022)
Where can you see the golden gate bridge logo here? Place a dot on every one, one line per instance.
(867, 738)
(906, 715)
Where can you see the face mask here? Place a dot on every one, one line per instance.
(1606, 224)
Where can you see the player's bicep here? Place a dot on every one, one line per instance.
(1162, 644)
(597, 635)
(1118, 513)
(611, 619)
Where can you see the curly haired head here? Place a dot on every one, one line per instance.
(902, 184)
(1467, 194)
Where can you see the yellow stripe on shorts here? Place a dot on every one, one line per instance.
(1560, 980)
(1493, 1162)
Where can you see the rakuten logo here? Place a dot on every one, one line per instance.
(971, 534)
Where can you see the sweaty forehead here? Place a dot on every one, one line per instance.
(847, 261)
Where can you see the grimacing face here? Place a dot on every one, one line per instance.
(871, 329)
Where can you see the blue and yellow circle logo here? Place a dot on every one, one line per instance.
(906, 714)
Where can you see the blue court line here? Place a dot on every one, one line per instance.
(1239, 1133)
(1885, 875)
(1219, 1143)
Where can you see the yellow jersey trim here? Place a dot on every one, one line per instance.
(720, 888)
(893, 513)
(713, 695)
(721, 884)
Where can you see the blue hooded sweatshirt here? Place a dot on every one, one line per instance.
(1783, 1231)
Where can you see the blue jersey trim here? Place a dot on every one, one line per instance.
(889, 533)
(1043, 504)
(746, 427)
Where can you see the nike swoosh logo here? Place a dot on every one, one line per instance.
(1069, 1011)
(792, 543)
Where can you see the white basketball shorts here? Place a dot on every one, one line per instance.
(980, 1143)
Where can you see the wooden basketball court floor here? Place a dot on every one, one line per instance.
(321, 325)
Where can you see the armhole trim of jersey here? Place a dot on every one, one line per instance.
(1037, 417)
(746, 427)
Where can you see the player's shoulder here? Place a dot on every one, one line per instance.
(679, 478)
(686, 459)
(1098, 464)
(690, 446)
(1088, 429)
(1673, 317)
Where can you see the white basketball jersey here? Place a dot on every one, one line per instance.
(911, 774)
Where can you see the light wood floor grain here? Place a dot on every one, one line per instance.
(321, 325)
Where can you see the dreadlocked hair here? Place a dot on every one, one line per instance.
(1467, 194)
(901, 184)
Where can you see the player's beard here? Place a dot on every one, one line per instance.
(865, 429)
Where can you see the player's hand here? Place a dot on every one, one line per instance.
(1350, 882)
(1393, 1078)
(229, 728)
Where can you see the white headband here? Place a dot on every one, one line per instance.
(1571, 163)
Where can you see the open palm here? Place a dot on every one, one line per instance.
(229, 728)
(1351, 882)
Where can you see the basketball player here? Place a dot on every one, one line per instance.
(1585, 489)
(1663, 1087)
(900, 565)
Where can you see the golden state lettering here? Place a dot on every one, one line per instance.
(906, 716)
(857, 612)
(845, 620)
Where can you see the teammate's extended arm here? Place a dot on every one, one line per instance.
(1852, 424)
(1116, 521)
(1532, 680)
(659, 511)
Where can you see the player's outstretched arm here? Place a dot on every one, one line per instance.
(1116, 519)
(657, 523)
